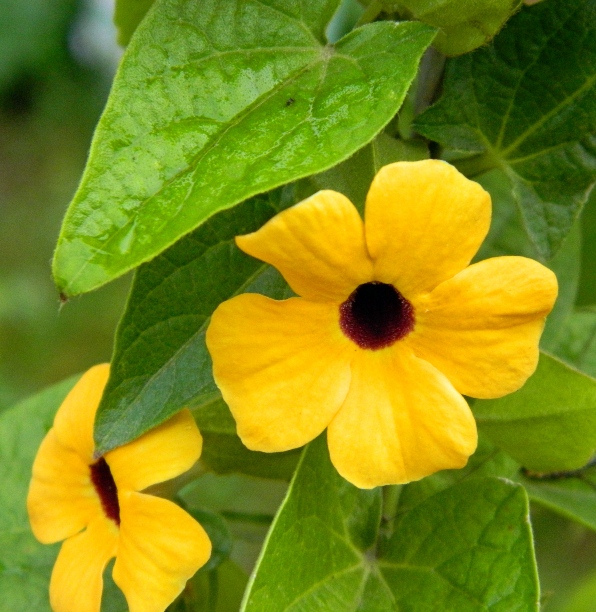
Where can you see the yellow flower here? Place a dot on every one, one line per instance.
(94, 504)
(390, 330)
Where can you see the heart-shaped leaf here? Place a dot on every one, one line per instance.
(216, 102)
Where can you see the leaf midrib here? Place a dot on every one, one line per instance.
(523, 74)
(192, 166)
(589, 82)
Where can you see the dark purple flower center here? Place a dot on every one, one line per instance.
(376, 315)
(103, 481)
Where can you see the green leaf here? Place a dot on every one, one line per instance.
(25, 563)
(507, 237)
(577, 341)
(127, 16)
(219, 534)
(587, 288)
(584, 596)
(529, 109)
(314, 555)
(214, 103)
(224, 453)
(572, 495)
(160, 362)
(238, 498)
(463, 25)
(550, 423)
(488, 460)
(218, 590)
(566, 265)
(248, 505)
(466, 548)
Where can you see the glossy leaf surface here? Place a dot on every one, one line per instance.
(530, 109)
(215, 102)
(466, 548)
(550, 423)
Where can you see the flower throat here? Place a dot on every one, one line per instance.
(103, 481)
(376, 315)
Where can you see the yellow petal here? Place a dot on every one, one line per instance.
(482, 327)
(283, 368)
(424, 223)
(317, 245)
(62, 499)
(74, 420)
(160, 548)
(402, 420)
(162, 453)
(77, 581)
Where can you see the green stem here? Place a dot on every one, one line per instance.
(579, 473)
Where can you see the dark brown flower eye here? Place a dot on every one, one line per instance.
(376, 315)
(103, 481)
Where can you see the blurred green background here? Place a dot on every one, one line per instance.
(57, 60)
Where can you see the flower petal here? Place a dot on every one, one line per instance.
(481, 328)
(424, 223)
(77, 578)
(62, 499)
(402, 420)
(283, 368)
(318, 246)
(166, 451)
(161, 547)
(74, 420)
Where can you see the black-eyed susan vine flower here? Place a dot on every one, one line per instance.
(391, 328)
(95, 505)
